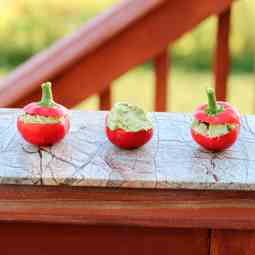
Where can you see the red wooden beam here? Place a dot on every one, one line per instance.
(105, 101)
(83, 64)
(161, 85)
(128, 207)
(222, 55)
(52, 239)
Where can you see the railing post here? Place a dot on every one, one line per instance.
(161, 76)
(222, 55)
(105, 100)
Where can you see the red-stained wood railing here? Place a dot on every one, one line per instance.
(222, 55)
(126, 36)
(161, 84)
(105, 99)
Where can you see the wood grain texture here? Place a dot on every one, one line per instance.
(55, 184)
(31, 239)
(161, 77)
(171, 160)
(222, 55)
(232, 242)
(151, 26)
(105, 99)
(127, 207)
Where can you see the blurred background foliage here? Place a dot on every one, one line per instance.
(29, 26)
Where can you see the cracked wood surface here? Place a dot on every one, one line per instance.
(86, 158)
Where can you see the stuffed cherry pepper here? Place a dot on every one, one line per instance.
(45, 122)
(128, 126)
(216, 125)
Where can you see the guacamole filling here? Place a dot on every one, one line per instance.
(37, 119)
(212, 130)
(128, 117)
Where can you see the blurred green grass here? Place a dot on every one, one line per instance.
(29, 26)
(186, 90)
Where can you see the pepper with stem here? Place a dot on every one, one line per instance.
(45, 122)
(216, 125)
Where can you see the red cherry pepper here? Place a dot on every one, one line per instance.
(45, 131)
(216, 113)
(126, 139)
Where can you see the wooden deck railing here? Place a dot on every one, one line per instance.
(128, 35)
(85, 196)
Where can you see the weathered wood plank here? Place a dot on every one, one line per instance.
(60, 177)
(86, 158)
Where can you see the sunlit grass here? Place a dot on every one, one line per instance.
(186, 90)
(3, 71)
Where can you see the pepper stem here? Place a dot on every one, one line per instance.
(47, 97)
(213, 107)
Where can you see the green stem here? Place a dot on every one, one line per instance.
(47, 97)
(213, 107)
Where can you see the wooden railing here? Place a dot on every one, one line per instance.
(128, 35)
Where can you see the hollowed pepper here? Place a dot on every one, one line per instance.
(128, 126)
(216, 125)
(45, 122)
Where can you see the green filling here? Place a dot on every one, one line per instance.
(37, 119)
(212, 130)
(128, 117)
